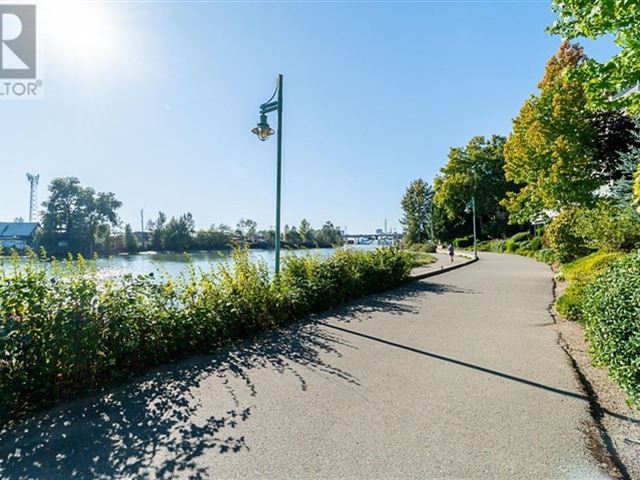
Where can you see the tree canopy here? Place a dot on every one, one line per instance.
(550, 154)
(416, 205)
(597, 18)
(474, 170)
(74, 216)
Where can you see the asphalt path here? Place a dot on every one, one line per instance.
(456, 376)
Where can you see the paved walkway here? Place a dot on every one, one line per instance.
(451, 377)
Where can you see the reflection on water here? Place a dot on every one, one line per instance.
(175, 264)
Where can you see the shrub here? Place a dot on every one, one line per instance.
(497, 246)
(580, 274)
(65, 328)
(546, 255)
(535, 244)
(463, 242)
(612, 320)
(426, 247)
(521, 237)
(609, 227)
(510, 246)
(561, 236)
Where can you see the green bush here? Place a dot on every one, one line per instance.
(535, 244)
(546, 255)
(611, 315)
(463, 242)
(562, 236)
(510, 246)
(497, 246)
(521, 237)
(65, 328)
(580, 274)
(609, 227)
(426, 247)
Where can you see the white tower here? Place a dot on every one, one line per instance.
(33, 196)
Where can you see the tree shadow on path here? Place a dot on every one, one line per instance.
(156, 425)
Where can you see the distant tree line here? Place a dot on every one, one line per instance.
(78, 219)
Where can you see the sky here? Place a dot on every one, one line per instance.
(155, 100)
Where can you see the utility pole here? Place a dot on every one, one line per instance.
(33, 195)
(142, 220)
(385, 225)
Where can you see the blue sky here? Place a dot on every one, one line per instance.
(375, 95)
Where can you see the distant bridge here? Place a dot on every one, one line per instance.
(364, 237)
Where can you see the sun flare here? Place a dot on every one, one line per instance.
(83, 34)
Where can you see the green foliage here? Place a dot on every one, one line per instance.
(535, 244)
(546, 255)
(130, 242)
(580, 274)
(510, 246)
(420, 259)
(496, 246)
(463, 242)
(609, 227)
(426, 247)
(611, 313)
(476, 169)
(563, 237)
(551, 152)
(75, 216)
(65, 328)
(597, 18)
(636, 186)
(521, 237)
(416, 207)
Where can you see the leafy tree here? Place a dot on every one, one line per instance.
(328, 236)
(215, 238)
(178, 233)
(476, 169)
(550, 154)
(130, 242)
(416, 205)
(247, 229)
(628, 163)
(596, 18)
(156, 227)
(306, 232)
(293, 237)
(75, 215)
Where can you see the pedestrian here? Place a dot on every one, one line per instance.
(452, 252)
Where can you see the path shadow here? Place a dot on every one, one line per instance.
(155, 426)
(401, 301)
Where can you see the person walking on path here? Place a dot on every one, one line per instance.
(452, 252)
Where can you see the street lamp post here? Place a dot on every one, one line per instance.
(475, 237)
(264, 131)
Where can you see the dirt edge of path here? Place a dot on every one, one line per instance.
(613, 433)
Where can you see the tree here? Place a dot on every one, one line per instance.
(247, 229)
(416, 205)
(306, 232)
(130, 242)
(293, 237)
(550, 154)
(156, 227)
(474, 170)
(597, 18)
(75, 215)
(178, 233)
(328, 236)
(636, 187)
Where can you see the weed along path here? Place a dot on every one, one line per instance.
(456, 376)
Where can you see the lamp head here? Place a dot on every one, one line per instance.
(263, 130)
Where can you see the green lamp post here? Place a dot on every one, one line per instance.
(264, 131)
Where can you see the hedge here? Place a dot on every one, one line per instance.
(66, 328)
(611, 313)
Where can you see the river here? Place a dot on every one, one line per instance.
(175, 264)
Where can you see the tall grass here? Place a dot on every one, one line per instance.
(66, 328)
